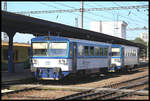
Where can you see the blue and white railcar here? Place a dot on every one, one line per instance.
(123, 57)
(55, 57)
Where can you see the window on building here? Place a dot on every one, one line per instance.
(15, 55)
(5, 54)
(28, 51)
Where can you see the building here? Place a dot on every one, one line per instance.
(144, 36)
(21, 54)
(113, 28)
(4, 36)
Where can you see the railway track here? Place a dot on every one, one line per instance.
(102, 95)
(7, 84)
(90, 94)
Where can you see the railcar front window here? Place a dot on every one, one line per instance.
(57, 49)
(54, 49)
(39, 49)
(115, 52)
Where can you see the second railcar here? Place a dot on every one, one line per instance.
(123, 57)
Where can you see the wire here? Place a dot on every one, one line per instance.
(121, 16)
(124, 17)
(129, 11)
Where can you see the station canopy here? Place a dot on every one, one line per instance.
(38, 27)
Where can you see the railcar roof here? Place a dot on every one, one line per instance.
(58, 38)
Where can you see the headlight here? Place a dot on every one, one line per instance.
(62, 61)
(34, 61)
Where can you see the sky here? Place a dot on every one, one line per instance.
(133, 17)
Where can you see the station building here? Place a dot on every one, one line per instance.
(21, 55)
(113, 28)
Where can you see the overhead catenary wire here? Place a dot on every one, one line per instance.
(127, 19)
(112, 8)
(130, 12)
(129, 29)
(88, 10)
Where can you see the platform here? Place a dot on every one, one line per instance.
(6, 76)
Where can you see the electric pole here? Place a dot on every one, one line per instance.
(5, 6)
(147, 48)
(76, 22)
(82, 14)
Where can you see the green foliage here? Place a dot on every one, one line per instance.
(143, 51)
(139, 40)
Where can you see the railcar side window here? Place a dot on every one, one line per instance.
(91, 51)
(40, 49)
(96, 51)
(80, 50)
(58, 49)
(105, 51)
(134, 52)
(101, 51)
(128, 53)
(86, 50)
(115, 52)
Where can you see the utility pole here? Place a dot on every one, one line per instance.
(76, 22)
(5, 6)
(147, 47)
(82, 14)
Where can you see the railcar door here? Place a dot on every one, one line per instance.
(137, 55)
(74, 57)
(122, 56)
(109, 56)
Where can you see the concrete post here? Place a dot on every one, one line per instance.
(10, 52)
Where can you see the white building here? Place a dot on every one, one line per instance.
(4, 36)
(144, 36)
(113, 28)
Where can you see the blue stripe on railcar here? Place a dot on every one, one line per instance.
(43, 38)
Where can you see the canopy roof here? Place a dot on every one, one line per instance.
(38, 27)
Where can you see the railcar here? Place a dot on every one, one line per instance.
(54, 57)
(123, 57)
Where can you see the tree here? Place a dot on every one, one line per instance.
(139, 40)
(143, 51)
